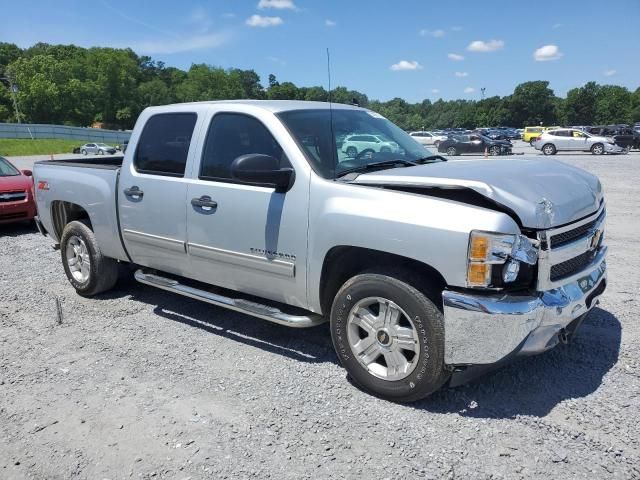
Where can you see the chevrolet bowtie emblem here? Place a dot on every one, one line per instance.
(595, 240)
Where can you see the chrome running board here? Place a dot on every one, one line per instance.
(265, 312)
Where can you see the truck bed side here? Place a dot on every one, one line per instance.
(65, 189)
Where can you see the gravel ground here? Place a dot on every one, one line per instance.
(140, 383)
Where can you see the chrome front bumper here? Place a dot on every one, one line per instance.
(483, 329)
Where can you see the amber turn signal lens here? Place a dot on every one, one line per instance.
(478, 248)
(478, 274)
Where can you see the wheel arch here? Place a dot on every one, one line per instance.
(344, 261)
(62, 213)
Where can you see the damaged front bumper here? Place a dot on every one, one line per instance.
(485, 329)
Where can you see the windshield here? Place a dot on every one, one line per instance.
(355, 138)
(6, 169)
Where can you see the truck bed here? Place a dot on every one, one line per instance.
(108, 163)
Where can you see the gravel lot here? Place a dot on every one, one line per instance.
(140, 383)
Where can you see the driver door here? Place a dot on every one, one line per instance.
(476, 145)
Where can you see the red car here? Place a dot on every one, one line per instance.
(17, 203)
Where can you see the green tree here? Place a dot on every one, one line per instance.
(532, 103)
(613, 105)
(580, 106)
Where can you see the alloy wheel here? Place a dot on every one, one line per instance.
(383, 338)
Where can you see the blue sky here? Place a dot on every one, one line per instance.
(411, 49)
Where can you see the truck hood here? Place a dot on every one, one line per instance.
(542, 193)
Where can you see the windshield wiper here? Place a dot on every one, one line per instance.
(385, 164)
(430, 159)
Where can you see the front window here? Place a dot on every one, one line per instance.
(340, 140)
(7, 170)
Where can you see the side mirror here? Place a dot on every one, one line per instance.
(263, 170)
(28, 173)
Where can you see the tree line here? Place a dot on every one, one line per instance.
(71, 85)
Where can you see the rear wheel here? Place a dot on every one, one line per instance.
(597, 149)
(87, 269)
(83, 151)
(495, 150)
(532, 142)
(549, 149)
(351, 152)
(389, 337)
(452, 151)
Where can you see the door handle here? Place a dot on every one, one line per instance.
(134, 192)
(205, 203)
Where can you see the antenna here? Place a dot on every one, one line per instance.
(334, 148)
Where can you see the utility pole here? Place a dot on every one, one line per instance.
(483, 90)
(13, 88)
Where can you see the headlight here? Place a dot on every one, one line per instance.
(500, 251)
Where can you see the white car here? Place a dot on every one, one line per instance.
(572, 139)
(355, 145)
(428, 138)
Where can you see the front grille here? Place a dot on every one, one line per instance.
(12, 196)
(571, 266)
(569, 236)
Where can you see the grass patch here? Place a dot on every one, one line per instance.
(24, 146)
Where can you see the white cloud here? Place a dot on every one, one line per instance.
(435, 90)
(432, 33)
(169, 46)
(461, 74)
(547, 53)
(277, 60)
(609, 73)
(469, 90)
(455, 57)
(277, 4)
(556, 26)
(260, 21)
(406, 65)
(456, 29)
(481, 46)
(329, 23)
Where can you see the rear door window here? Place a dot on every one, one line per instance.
(164, 144)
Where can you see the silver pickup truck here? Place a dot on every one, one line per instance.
(429, 271)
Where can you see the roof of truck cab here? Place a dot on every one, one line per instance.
(276, 106)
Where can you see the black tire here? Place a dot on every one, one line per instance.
(100, 152)
(351, 152)
(549, 149)
(495, 150)
(597, 149)
(385, 150)
(429, 374)
(83, 151)
(103, 271)
(451, 151)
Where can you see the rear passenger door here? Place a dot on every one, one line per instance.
(152, 192)
(246, 237)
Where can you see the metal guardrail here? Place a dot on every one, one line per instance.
(26, 130)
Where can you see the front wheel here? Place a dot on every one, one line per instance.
(87, 269)
(597, 149)
(451, 151)
(549, 149)
(389, 337)
(351, 152)
(495, 150)
(83, 151)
